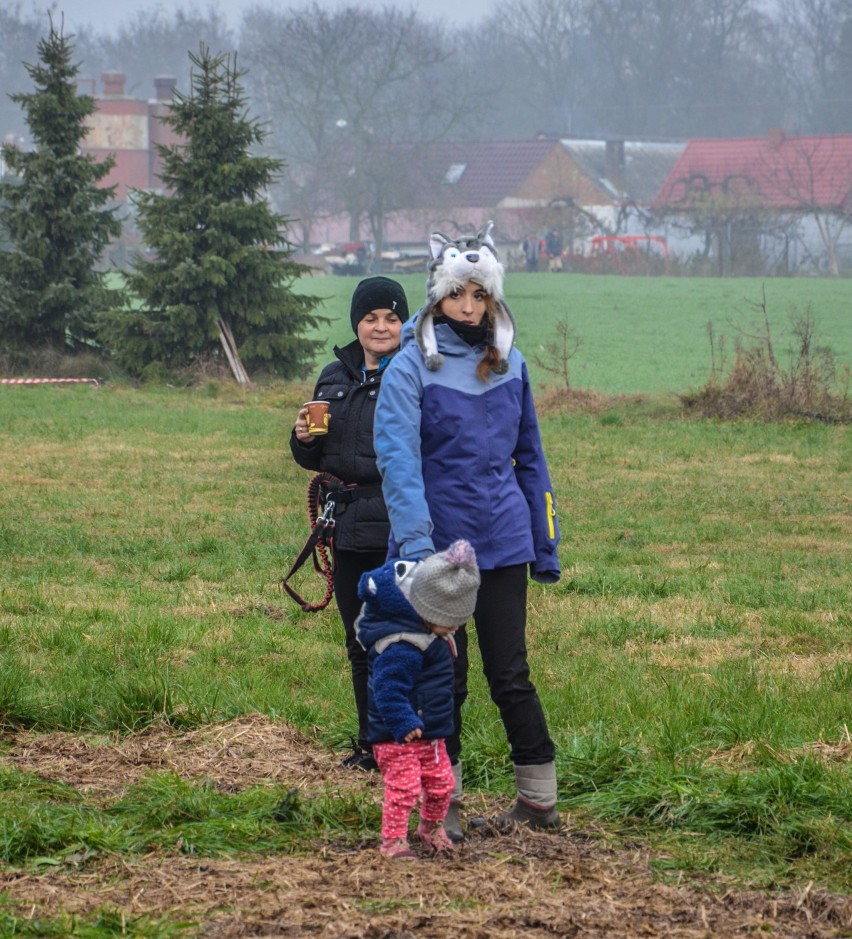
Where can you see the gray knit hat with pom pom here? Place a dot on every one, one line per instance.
(444, 586)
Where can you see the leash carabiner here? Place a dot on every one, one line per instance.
(326, 520)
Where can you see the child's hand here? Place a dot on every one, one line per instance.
(413, 734)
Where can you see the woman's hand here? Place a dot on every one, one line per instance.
(302, 434)
(413, 735)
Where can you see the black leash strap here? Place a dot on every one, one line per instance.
(319, 543)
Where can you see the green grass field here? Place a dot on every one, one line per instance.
(695, 660)
(638, 335)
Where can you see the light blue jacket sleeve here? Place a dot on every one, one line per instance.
(396, 437)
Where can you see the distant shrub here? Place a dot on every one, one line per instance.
(757, 385)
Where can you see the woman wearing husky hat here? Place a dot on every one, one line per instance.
(459, 449)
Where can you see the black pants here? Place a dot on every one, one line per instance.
(500, 619)
(350, 565)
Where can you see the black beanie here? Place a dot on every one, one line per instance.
(377, 293)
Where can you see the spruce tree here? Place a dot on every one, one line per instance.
(55, 221)
(220, 259)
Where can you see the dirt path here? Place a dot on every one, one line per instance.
(523, 885)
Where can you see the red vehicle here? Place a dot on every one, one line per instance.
(629, 244)
(625, 254)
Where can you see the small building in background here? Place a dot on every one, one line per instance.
(775, 203)
(129, 129)
(541, 191)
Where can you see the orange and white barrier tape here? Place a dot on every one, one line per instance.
(49, 381)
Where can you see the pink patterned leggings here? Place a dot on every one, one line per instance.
(409, 769)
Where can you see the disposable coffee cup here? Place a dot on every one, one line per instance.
(317, 417)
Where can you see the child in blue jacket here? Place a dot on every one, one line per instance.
(411, 611)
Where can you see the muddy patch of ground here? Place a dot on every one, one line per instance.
(521, 885)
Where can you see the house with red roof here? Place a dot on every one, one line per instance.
(766, 193)
(577, 188)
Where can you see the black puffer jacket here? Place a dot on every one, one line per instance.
(347, 450)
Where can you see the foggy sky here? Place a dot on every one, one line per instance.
(108, 15)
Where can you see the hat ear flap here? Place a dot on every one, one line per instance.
(504, 335)
(427, 342)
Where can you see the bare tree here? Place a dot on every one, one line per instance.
(730, 213)
(678, 67)
(346, 91)
(816, 42)
(812, 180)
(733, 79)
(153, 43)
(629, 39)
(550, 39)
(619, 68)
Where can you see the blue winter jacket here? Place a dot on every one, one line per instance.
(462, 458)
(410, 671)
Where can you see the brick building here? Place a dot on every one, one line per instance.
(129, 129)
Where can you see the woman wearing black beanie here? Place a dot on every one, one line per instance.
(350, 384)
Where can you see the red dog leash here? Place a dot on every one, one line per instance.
(319, 543)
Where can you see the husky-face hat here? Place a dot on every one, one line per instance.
(454, 264)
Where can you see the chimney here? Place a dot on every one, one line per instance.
(164, 85)
(614, 162)
(113, 83)
(774, 138)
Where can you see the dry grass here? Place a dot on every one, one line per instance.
(758, 385)
(519, 885)
(838, 751)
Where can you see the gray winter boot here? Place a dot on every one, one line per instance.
(452, 823)
(535, 806)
